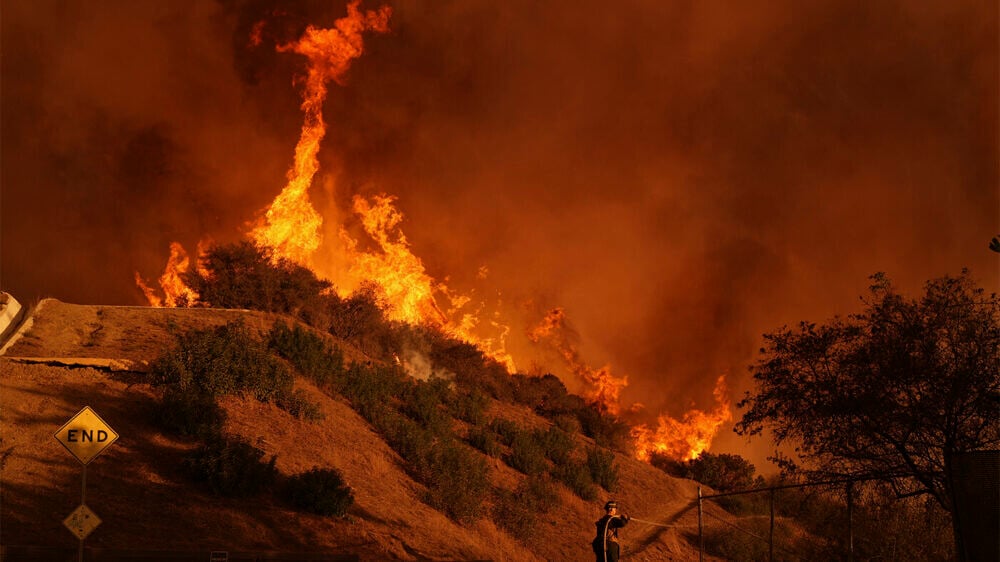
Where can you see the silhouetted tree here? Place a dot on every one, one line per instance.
(894, 392)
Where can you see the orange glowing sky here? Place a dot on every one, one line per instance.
(677, 177)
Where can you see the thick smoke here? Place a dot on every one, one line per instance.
(678, 176)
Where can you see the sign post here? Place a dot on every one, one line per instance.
(85, 436)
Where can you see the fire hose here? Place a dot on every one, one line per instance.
(655, 523)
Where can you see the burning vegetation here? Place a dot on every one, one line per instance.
(285, 265)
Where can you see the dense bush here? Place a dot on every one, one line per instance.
(506, 429)
(576, 476)
(366, 385)
(469, 406)
(360, 319)
(555, 443)
(473, 370)
(424, 402)
(228, 360)
(458, 482)
(224, 360)
(308, 353)
(189, 412)
(602, 467)
(485, 440)
(409, 439)
(567, 423)
(321, 491)
(546, 395)
(526, 454)
(512, 514)
(539, 492)
(298, 404)
(231, 467)
(724, 472)
(244, 275)
(519, 511)
(606, 430)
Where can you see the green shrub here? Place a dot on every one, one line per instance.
(231, 467)
(576, 477)
(360, 319)
(602, 467)
(606, 430)
(189, 412)
(411, 441)
(526, 454)
(309, 353)
(469, 406)
(244, 275)
(458, 482)
(724, 472)
(512, 514)
(222, 361)
(567, 423)
(556, 444)
(507, 430)
(539, 492)
(473, 370)
(456, 478)
(298, 405)
(518, 511)
(321, 491)
(485, 440)
(366, 384)
(424, 402)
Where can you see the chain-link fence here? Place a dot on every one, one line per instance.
(832, 520)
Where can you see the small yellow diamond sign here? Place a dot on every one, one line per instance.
(86, 435)
(82, 522)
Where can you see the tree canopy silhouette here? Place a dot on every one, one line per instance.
(892, 393)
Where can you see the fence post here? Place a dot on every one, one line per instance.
(850, 521)
(770, 536)
(701, 533)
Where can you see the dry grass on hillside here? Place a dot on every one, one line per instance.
(139, 490)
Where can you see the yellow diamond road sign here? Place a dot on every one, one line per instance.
(82, 522)
(86, 435)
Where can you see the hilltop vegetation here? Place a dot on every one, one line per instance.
(244, 275)
(440, 427)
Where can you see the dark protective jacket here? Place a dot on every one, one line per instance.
(605, 544)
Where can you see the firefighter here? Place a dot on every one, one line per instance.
(606, 545)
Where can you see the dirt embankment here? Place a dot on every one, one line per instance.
(140, 492)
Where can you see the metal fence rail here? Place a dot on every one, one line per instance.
(847, 482)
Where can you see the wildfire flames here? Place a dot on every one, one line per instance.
(688, 437)
(175, 291)
(291, 227)
(606, 388)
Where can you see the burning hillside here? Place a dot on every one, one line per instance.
(676, 179)
(291, 230)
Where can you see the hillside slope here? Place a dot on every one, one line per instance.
(139, 490)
